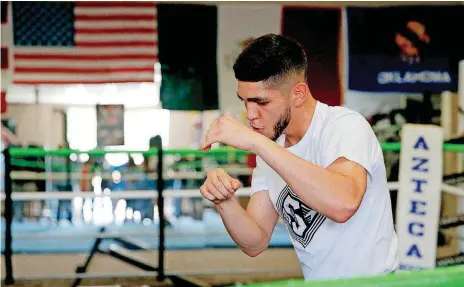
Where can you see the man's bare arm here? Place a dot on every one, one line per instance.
(251, 229)
(335, 191)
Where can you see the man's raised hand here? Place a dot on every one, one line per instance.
(229, 131)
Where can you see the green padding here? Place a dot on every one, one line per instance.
(391, 146)
(396, 146)
(439, 277)
(67, 152)
(217, 151)
(38, 165)
(453, 147)
(193, 152)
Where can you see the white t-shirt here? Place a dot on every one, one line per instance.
(364, 245)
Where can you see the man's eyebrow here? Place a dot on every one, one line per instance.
(254, 99)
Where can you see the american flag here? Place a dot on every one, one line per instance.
(84, 42)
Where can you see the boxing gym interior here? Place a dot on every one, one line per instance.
(105, 106)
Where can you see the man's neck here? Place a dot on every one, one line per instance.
(300, 122)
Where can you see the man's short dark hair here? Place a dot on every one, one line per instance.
(270, 58)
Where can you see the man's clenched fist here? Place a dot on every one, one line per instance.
(219, 186)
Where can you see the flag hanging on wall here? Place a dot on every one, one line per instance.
(84, 42)
(318, 31)
(187, 53)
(405, 48)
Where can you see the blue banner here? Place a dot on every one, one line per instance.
(408, 49)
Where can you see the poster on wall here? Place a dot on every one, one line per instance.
(110, 125)
(409, 49)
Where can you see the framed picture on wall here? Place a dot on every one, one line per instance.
(110, 125)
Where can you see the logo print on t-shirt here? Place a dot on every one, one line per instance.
(302, 221)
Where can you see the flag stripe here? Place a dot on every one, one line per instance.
(83, 78)
(129, 79)
(105, 44)
(79, 70)
(115, 10)
(129, 30)
(115, 38)
(98, 4)
(113, 17)
(5, 58)
(110, 63)
(82, 58)
(110, 24)
(84, 51)
(3, 103)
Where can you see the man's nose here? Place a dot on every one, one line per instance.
(252, 113)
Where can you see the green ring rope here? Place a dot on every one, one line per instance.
(76, 167)
(18, 152)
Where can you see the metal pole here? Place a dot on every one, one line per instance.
(162, 221)
(9, 280)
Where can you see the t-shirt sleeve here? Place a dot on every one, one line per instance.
(258, 178)
(351, 137)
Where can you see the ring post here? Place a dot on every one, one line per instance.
(9, 280)
(162, 223)
(419, 195)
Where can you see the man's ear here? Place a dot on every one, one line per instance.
(299, 94)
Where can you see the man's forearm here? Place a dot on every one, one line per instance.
(243, 229)
(324, 191)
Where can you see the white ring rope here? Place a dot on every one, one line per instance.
(30, 175)
(114, 234)
(174, 193)
(454, 190)
(126, 194)
(119, 234)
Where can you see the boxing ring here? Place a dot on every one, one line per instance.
(121, 244)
